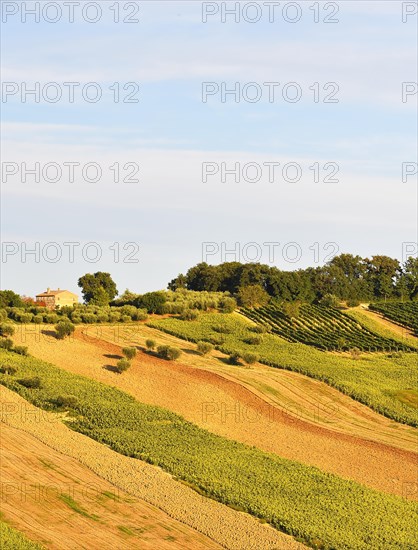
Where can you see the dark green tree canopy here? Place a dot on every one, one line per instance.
(98, 288)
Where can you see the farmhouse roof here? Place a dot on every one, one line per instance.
(50, 292)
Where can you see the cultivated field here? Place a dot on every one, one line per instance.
(61, 503)
(277, 411)
(226, 527)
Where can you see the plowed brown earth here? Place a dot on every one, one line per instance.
(36, 484)
(145, 524)
(337, 434)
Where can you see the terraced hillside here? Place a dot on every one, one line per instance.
(402, 313)
(325, 328)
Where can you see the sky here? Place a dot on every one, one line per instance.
(281, 134)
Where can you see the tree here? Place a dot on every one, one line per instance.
(122, 365)
(129, 353)
(168, 352)
(6, 330)
(179, 282)
(8, 298)
(98, 288)
(252, 296)
(63, 329)
(153, 302)
(250, 358)
(382, 272)
(409, 277)
(204, 347)
(150, 344)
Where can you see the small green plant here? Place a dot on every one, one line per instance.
(254, 340)
(150, 344)
(8, 369)
(122, 365)
(204, 347)
(129, 353)
(63, 329)
(33, 382)
(168, 352)
(66, 401)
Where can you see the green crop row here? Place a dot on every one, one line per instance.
(376, 380)
(322, 509)
(325, 328)
(402, 313)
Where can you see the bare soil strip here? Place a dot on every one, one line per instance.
(228, 528)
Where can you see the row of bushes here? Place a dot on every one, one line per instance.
(78, 314)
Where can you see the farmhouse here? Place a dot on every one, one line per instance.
(56, 298)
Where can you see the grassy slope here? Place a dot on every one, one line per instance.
(374, 379)
(300, 500)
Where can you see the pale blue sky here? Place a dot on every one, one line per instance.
(170, 132)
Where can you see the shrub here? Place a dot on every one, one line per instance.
(234, 359)
(67, 401)
(204, 347)
(330, 300)
(259, 329)
(3, 314)
(6, 343)
(6, 330)
(33, 382)
(125, 319)
(63, 329)
(25, 317)
(353, 303)
(88, 318)
(8, 369)
(150, 344)
(21, 350)
(122, 365)
(222, 329)
(129, 353)
(102, 317)
(168, 352)
(250, 358)
(254, 340)
(38, 318)
(114, 316)
(355, 353)
(189, 315)
(76, 319)
(227, 305)
(140, 315)
(53, 318)
(128, 310)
